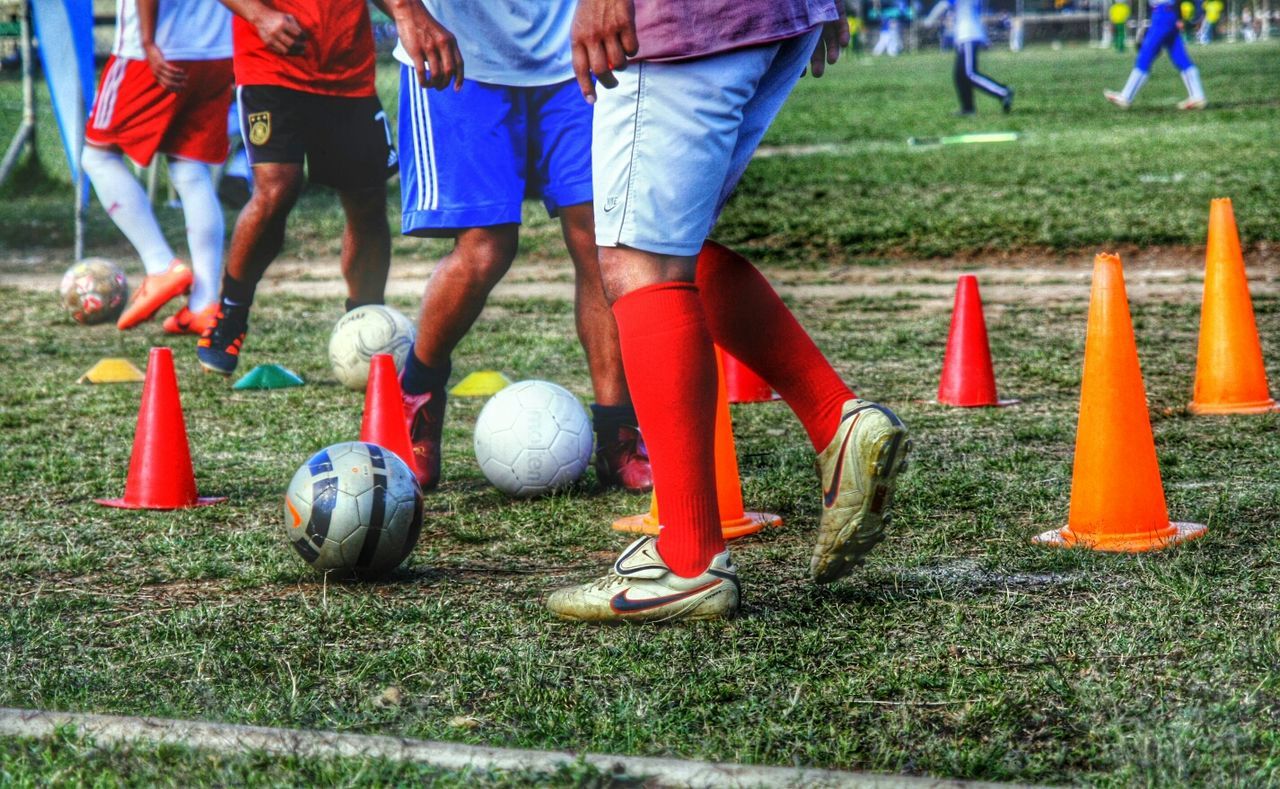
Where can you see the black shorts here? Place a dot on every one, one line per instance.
(345, 141)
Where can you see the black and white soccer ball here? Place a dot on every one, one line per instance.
(362, 332)
(533, 437)
(93, 291)
(355, 508)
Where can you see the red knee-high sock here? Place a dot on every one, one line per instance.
(748, 320)
(671, 371)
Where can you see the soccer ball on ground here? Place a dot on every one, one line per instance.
(358, 335)
(94, 291)
(533, 437)
(353, 507)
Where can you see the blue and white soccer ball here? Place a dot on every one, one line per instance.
(533, 437)
(353, 507)
(362, 332)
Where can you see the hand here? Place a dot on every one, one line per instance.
(430, 45)
(604, 36)
(835, 36)
(281, 32)
(171, 78)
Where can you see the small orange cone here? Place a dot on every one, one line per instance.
(160, 472)
(1117, 499)
(734, 521)
(384, 423)
(742, 383)
(968, 378)
(1230, 378)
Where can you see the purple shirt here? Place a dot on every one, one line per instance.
(680, 29)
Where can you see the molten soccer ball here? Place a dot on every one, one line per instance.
(533, 437)
(353, 507)
(360, 334)
(94, 291)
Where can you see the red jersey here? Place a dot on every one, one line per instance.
(338, 59)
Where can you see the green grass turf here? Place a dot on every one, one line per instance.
(1093, 173)
(960, 651)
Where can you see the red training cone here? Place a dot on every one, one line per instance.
(384, 423)
(968, 379)
(160, 473)
(742, 382)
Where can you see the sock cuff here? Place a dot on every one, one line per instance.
(605, 418)
(237, 291)
(660, 308)
(417, 378)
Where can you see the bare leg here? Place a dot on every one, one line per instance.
(457, 290)
(597, 329)
(366, 244)
(259, 231)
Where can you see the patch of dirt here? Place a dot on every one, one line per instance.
(1160, 273)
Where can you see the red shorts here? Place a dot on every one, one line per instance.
(134, 113)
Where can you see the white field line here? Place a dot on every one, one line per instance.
(232, 739)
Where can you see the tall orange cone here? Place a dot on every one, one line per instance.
(160, 472)
(734, 520)
(384, 423)
(1117, 499)
(968, 378)
(1230, 378)
(742, 383)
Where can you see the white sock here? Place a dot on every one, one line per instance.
(127, 205)
(1191, 78)
(1137, 78)
(203, 215)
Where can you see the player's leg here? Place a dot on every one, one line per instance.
(560, 150)
(960, 75)
(131, 116)
(461, 177)
(202, 213)
(1155, 38)
(984, 83)
(196, 141)
(1195, 99)
(366, 245)
(622, 459)
(255, 242)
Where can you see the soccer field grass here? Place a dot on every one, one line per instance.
(960, 651)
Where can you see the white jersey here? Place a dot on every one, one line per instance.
(508, 42)
(185, 30)
(968, 22)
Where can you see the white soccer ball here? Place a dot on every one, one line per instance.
(358, 335)
(353, 507)
(533, 437)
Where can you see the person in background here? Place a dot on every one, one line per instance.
(970, 37)
(1162, 34)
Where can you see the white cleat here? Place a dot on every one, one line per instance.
(1192, 104)
(1117, 99)
(857, 471)
(641, 588)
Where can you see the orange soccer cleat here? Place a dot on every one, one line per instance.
(154, 293)
(186, 321)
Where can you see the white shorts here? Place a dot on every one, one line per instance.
(671, 142)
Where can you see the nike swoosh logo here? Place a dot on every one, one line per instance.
(829, 494)
(621, 604)
(297, 519)
(610, 204)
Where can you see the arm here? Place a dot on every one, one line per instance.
(604, 36)
(280, 32)
(168, 75)
(835, 36)
(936, 13)
(432, 48)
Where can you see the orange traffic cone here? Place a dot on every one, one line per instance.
(968, 378)
(734, 521)
(742, 383)
(384, 423)
(1117, 500)
(1230, 378)
(160, 472)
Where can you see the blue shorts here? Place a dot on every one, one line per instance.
(470, 158)
(1163, 34)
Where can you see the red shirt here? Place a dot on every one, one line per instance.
(338, 59)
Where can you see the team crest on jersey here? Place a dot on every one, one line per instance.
(259, 127)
